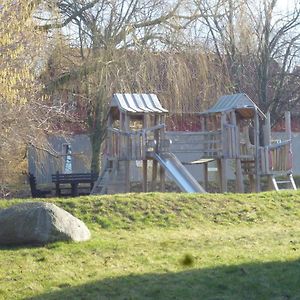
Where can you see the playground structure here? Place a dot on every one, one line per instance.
(234, 129)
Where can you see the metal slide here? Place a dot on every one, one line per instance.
(179, 173)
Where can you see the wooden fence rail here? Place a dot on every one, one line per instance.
(132, 145)
(276, 158)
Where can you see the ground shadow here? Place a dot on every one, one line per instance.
(278, 280)
(15, 247)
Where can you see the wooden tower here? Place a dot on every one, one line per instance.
(136, 127)
(236, 129)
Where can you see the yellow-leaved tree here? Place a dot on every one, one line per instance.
(20, 49)
(21, 104)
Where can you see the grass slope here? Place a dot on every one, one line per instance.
(165, 246)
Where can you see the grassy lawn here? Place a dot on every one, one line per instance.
(165, 246)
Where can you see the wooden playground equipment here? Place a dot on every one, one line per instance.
(234, 129)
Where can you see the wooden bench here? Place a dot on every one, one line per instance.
(74, 180)
(35, 192)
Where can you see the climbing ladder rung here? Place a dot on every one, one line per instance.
(290, 181)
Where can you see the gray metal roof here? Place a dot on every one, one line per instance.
(137, 103)
(234, 102)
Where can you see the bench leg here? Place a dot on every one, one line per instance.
(57, 190)
(74, 189)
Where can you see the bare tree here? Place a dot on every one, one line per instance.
(278, 49)
(105, 32)
(257, 47)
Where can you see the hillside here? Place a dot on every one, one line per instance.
(165, 246)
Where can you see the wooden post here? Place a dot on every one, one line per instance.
(205, 174)
(154, 174)
(221, 163)
(145, 175)
(219, 167)
(160, 135)
(162, 176)
(238, 164)
(256, 143)
(156, 133)
(239, 176)
(127, 176)
(122, 142)
(145, 125)
(154, 162)
(162, 131)
(224, 137)
(267, 142)
(251, 183)
(128, 155)
(224, 175)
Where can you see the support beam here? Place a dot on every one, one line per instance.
(127, 176)
(127, 163)
(256, 143)
(252, 183)
(145, 176)
(162, 176)
(156, 133)
(224, 175)
(267, 142)
(224, 137)
(238, 165)
(154, 174)
(239, 176)
(221, 163)
(205, 174)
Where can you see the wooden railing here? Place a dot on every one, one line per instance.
(126, 146)
(276, 158)
(205, 144)
(246, 150)
(225, 143)
(212, 143)
(132, 145)
(234, 145)
(230, 141)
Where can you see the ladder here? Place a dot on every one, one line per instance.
(100, 185)
(288, 184)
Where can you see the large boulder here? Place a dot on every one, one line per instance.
(39, 223)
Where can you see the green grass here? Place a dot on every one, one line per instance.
(165, 246)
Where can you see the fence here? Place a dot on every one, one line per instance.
(276, 158)
(134, 145)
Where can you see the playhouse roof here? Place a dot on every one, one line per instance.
(238, 102)
(137, 103)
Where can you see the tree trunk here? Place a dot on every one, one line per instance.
(96, 139)
(97, 120)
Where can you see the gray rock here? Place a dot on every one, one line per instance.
(39, 223)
